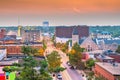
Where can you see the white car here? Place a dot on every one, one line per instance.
(59, 76)
(68, 63)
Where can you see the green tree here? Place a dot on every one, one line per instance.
(29, 51)
(43, 63)
(44, 44)
(26, 50)
(118, 49)
(34, 51)
(75, 55)
(90, 63)
(64, 47)
(28, 71)
(7, 69)
(54, 62)
(44, 71)
(58, 69)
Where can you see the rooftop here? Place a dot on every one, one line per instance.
(8, 62)
(75, 31)
(105, 57)
(113, 69)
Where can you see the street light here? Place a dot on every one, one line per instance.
(17, 51)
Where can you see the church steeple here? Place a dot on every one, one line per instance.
(75, 31)
(75, 36)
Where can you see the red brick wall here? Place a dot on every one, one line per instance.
(2, 33)
(99, 71)
(15, 49)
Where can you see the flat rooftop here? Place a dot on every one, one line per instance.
(8, 62)
(114, 70)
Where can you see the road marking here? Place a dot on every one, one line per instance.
(67, 76)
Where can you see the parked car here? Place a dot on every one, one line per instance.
(73, 67)
(59, 76)
(68, 63)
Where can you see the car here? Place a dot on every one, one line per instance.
(68, 63)
(59, 76)
(71, 67)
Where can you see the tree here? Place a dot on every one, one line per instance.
(41, 51)
(28, 71)
(33, 51)
(64, 47)
(29, 51)
(75, 55)
(90, 63)
(43, 63)
(44, 45)
(58, 69)
(44, 71)
(118, 49)
(54, 61)
(7, 69)
(26, 50)
(53, 40)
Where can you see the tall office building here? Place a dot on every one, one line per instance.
(45, 27)
(45, 24)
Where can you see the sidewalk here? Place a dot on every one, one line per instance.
(81, 72)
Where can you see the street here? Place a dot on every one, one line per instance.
(68, 74)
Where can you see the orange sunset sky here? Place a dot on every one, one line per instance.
(60, 12)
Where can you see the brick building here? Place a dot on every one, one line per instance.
(107, 70)
(2, 33)
(16, 48)
(66, 32)
(116, 57)
(31, 35)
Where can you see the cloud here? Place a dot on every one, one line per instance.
(76, 10)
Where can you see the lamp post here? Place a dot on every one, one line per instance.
(17, 51)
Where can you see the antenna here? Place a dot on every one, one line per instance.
(18, 20)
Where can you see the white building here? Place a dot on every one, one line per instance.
(3, 53)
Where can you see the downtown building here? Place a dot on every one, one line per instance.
(31, 35)
(110, 71)
(64, 33)
(2, 33)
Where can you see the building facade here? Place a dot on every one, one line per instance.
(66, 32)
(31, 35)
(2, 33)
(107, 70)
(75, 36)
(16, 48)
(89, 44)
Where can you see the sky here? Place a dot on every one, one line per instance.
(59, 12)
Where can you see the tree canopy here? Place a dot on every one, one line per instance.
(90, 63)
(54, 62)
(75, 55)
(27, 50)
(118, 49)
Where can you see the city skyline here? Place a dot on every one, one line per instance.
(59, 12)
